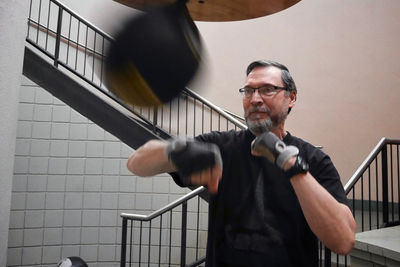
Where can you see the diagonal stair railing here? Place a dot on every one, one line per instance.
(151, 239)
(373, 193)
(79, 48)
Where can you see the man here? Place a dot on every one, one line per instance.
(272, 195)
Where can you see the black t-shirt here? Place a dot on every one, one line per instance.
(255, 219)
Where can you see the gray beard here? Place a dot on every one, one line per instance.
(267, 125)
(259, 127)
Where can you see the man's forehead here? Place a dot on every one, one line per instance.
(265, 72)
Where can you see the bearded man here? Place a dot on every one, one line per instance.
(272, 195)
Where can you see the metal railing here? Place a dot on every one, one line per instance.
(76, 45)
(134, 254)
(373, 192)
(78, 48)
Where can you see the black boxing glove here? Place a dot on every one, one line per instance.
(274, 149)
(190, 156)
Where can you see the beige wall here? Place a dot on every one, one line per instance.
(343, 55)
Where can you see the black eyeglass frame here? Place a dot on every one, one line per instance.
(276, 88)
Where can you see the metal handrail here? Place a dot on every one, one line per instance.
(170, 206)
(234, 115)
(362, 174)
(222, 112)
(146, 119)
(368, 160)
(92, 26)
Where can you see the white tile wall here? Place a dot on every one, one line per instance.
(52, 236)
(70, 186)
(90, 235)
(36, 182)
(31, 255)
(51, 254)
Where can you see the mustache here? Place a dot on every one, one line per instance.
(258, 109)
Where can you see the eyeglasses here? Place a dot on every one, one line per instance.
(266, 90)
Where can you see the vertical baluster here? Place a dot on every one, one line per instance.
(328, 259)
(178, 117)
(391, 181)
(369, 198)
(77, 44)
(69, 38)
(170, 117)
(198, 228)
(131, 245)
(354, 201)
(149, 251)
(202, 118)
(140, 243)
(86, 48)
(211, 114)
(48, 25)
(39, 15)
(170, 237)
(102, 61)
(58, 36)
(398, 184)
(123, 241)
(187, 113)
(320, 254)
(155, 118)
(377, 192)
(183, 234)
(94, 54)
(30, 18)
(159, 246)
(385, 208)
(194, 117)
(362, 203)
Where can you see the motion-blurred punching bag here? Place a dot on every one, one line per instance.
(154, 56)
(72, 262)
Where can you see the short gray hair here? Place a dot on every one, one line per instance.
(286, 77)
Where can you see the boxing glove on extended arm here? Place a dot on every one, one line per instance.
(190, 156)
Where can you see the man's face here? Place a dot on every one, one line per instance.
(265, 113)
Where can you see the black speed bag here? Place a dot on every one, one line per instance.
(154, 56)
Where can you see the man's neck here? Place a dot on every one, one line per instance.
(280, 131)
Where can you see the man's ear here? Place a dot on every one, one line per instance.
(293, 98)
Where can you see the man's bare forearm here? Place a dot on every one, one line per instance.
(150, 159)
(331, 221)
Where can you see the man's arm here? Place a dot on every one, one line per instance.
(152, 158)
(332, 222)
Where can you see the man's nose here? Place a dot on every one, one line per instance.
(256, 98)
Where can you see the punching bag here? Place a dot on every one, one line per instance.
(154, 56)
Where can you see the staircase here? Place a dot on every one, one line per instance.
(65, 56)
